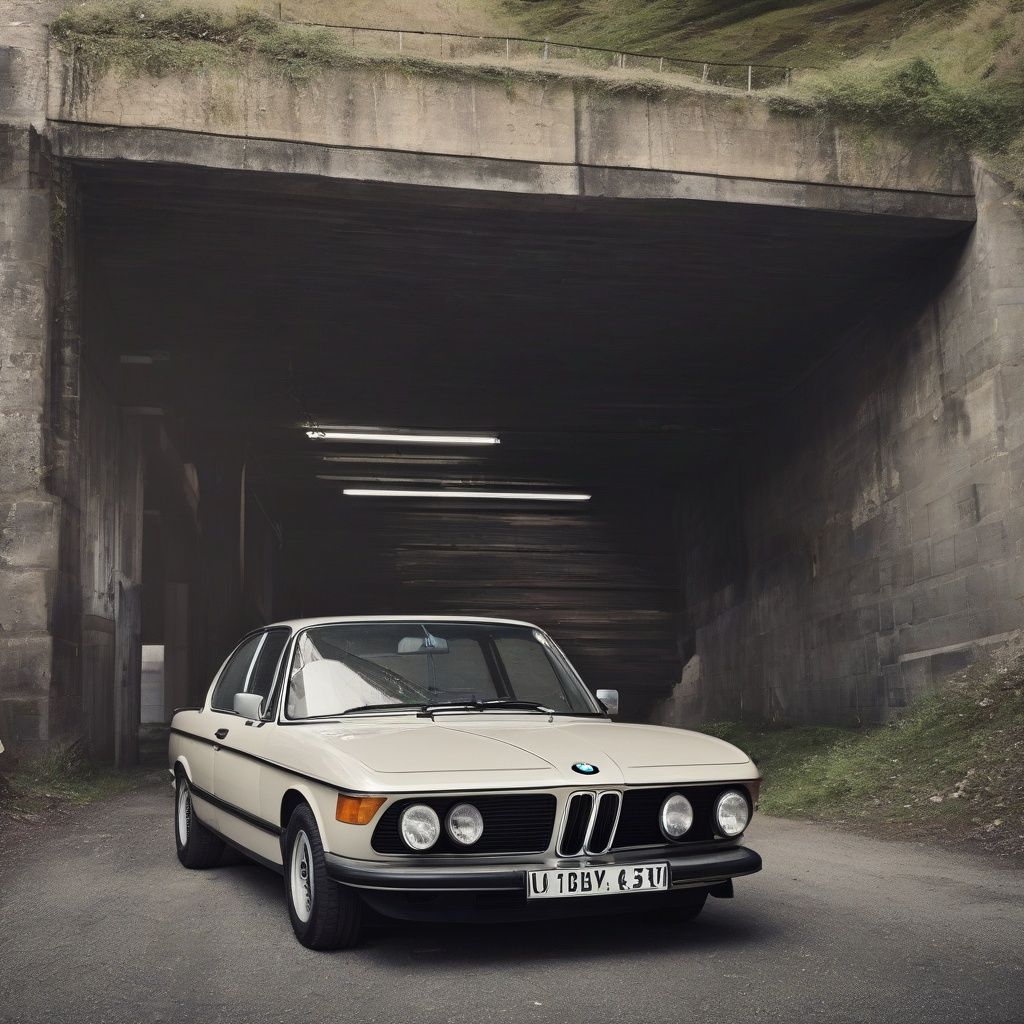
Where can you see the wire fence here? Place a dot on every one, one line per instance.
(519, 50)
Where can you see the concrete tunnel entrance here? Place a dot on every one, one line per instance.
(641, 351)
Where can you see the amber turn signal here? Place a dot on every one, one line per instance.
(754, 788)
(358, 810)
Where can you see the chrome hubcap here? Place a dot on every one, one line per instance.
(184, 813)
(301, 876)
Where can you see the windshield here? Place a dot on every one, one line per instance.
(345, 667)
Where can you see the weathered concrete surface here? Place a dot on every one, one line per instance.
(527, 136)
(871, 539)
(836, 928)
(29, 512)
(52, 516)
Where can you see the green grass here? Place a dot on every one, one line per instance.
(911, 94)
(947, 69)
(142, 37)
(819, 32)
(63, 778)
(157, 39)
(948, 769)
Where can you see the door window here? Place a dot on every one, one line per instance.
(264, 672)
(233, 678)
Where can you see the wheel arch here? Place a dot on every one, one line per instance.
(295, 795)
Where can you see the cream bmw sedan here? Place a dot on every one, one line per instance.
(453, 768)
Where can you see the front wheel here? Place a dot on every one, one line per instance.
(688, 905)
(197, 846)
(324, 915)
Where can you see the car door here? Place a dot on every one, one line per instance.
(243, 743)
(203, 736)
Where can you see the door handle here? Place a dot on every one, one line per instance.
(221, 733)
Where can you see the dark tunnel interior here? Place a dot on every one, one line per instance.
(624, 349)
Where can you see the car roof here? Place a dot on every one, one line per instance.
(296, 624)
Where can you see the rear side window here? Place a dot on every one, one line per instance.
(236, 672)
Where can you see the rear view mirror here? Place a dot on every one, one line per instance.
(610, 700)
(248, 705)
(422, 645)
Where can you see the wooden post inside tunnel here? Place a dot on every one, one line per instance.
(218, 618)
(127, 672)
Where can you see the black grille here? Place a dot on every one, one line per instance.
(604, 821)
(513, 823)
(638, 822)
(577, 818)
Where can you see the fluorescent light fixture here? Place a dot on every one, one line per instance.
(398, 437)
(383, 492)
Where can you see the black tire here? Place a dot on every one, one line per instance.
(691, 908)
(331, 917)
(683, 907)
(198, 847)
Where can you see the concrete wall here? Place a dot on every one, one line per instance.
(69, 503)
(30, 515)
(519, 136)
(871, 539)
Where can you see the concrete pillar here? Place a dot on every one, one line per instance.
(30, 515)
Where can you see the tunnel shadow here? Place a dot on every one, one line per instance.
(426, 945)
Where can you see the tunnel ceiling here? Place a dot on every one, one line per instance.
(600, 339)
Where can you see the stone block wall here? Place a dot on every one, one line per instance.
(870, 540)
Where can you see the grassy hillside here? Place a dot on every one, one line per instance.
(820, 32)
(484, 16)
(949, 770)
(947, 68)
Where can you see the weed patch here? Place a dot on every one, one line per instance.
(946, 770)
(63, 778)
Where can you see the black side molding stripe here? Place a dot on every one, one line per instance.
(546, 787)
(245, 851)
(249, 819)
(263, 760)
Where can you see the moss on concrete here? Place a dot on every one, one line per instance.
(910, 94)
(946, 770)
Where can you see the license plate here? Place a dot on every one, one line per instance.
(558, 883)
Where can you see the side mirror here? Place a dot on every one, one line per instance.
(610, 700)
(248, 705)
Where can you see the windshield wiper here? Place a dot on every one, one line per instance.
(527, 705)
(428, 710)
(384, 707)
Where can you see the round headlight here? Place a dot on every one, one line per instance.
(419, 826)
(732, 812)
(465, 824)
(676, 816)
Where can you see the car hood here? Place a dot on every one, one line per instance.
(532, 746)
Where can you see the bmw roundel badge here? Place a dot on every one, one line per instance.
(585, 769)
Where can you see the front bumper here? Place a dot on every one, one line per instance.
(688, 870)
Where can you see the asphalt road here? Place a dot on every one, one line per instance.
(98, 922)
